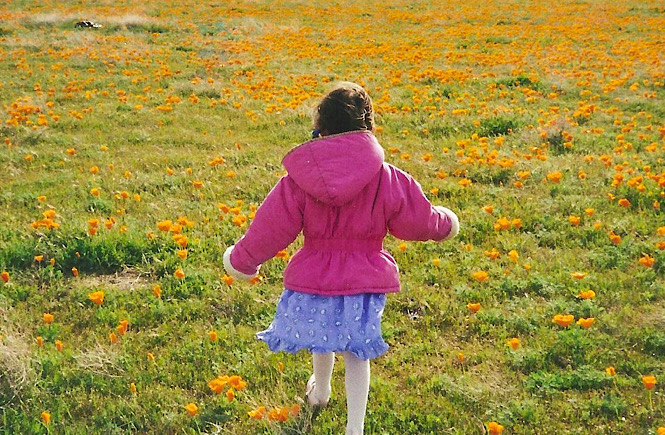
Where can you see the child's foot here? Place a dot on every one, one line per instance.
(312, 396)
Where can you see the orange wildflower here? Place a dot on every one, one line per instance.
(649, 382)
(554, 177)
(40, 341)
(46, 417)
(587, 294)
(236, 382)
(514, 255)
(563, 320)
(514, 343)
(480, 276)
(623, 202)
(122, 327)
(611, 371)
(4, 275)
(494, 428)
(132, 388)
(647, 261)
(228, 280)
(578, 275)
(230, 394)
(179, 274)
(488, 209)
(113, 337)
(586, 323)
(278, 414)
(615, 238)
(58, 345)
(503, 224)
(48, 318)
(97, 297)
(157, 291)
(75, 272)
(213, 336)
(473, 306)
(191, 409)
(257, 413)
(164, 225)
(217, 385)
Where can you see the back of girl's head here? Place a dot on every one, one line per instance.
(347, 107)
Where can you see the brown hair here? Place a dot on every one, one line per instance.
(347, 107)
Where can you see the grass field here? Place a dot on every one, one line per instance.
(133, 154)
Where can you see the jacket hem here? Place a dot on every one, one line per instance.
(335, 292)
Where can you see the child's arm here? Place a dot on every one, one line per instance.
(412, 216)
(276, 224)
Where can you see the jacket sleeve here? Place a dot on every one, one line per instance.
(410, 214)
(276, 224)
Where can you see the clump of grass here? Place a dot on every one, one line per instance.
(17, 375)
(498, 126)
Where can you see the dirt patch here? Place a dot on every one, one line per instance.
(127, 280)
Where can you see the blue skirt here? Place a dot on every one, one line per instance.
(325, 324)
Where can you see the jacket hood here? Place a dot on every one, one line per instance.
(334, 169)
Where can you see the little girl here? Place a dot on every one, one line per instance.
(344, 198)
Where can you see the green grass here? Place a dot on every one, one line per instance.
(160, 92)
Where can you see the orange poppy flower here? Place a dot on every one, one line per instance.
(179, 274)
(647, 261)
(494, 428)
(4, 275)
(164, 225)
(649, 382)
(191, 409)
(480, 276)
(514, 343)
(586, 323)
(97, 297)
(587, 294)
(473, 306)
(257, 413)
(563, 320)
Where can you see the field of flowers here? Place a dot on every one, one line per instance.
(134, 153)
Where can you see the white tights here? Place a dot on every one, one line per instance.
(356, 381)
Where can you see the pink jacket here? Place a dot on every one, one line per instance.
(345, 199)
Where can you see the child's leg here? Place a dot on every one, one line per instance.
(357, 388)
(323, 367)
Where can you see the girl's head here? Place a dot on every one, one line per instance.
(347, 107)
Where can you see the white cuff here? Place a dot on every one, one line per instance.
(232, 271)
(454, 229)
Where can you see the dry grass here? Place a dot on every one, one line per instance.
(17, 374)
